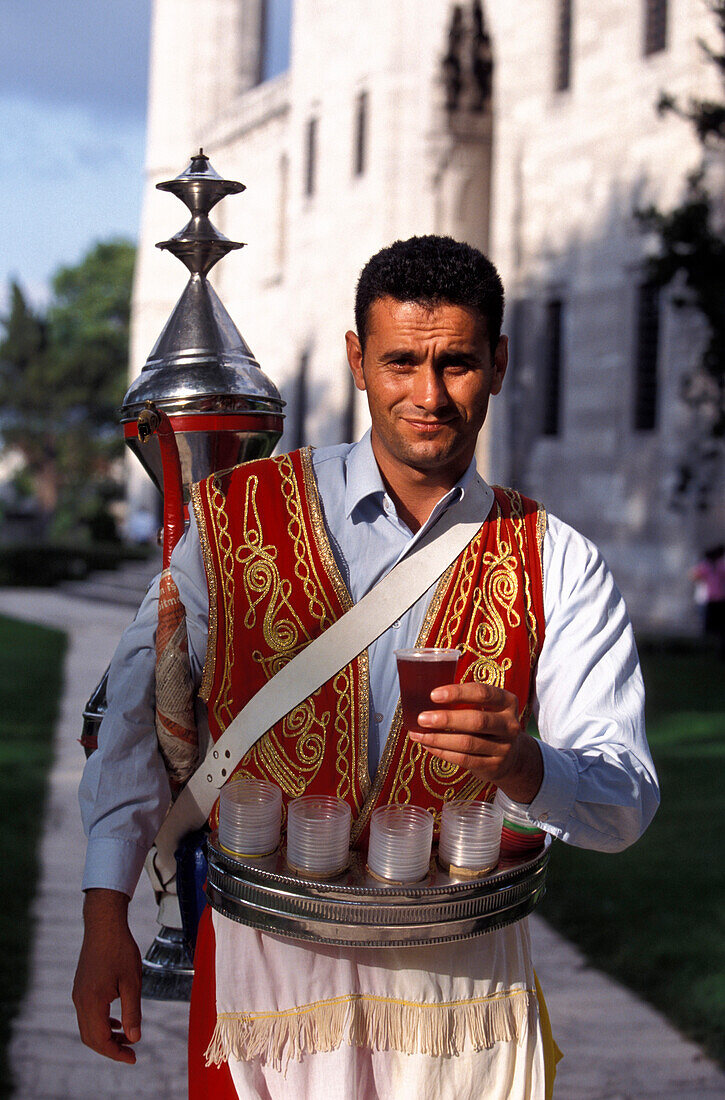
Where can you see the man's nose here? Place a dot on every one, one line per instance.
(429, 391)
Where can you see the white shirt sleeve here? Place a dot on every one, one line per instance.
(600, 788)
(124, 792)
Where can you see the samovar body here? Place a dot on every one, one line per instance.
(202, 380)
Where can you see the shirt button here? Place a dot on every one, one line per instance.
(378, 718)
(396, 624)
(543, 817)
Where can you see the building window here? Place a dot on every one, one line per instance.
(276, 22)
(361, 134)
(300, 402)
(310, 156)
(282, 212)
(562, 75)
(655, 26)
(645, 383)
(552, 368)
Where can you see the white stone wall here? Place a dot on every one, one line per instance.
(555, 204)
(570, 168)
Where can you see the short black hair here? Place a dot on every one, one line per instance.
(430, 270)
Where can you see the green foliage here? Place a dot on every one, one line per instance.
(23, 350)
(42, 565)
(88, 331)
(62, 378)
(652, 916)
(691, 253)
(31, 660)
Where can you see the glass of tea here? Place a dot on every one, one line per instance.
(419, 671)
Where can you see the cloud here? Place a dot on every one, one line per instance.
(88, 53)
(73, 179)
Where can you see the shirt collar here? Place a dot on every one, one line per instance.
(363, 478)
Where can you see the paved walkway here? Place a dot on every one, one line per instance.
(47, 1057)
(615, 1047)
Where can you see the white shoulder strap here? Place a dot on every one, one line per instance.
(318, 662)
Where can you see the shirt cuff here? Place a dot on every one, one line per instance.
(554, 803)
(113, 864)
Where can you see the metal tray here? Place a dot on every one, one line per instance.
(356, 910)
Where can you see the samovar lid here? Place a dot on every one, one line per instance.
(200, 359)
(199, 186)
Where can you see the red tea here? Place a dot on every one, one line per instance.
(420, 671)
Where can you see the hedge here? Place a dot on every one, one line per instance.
(42, 564)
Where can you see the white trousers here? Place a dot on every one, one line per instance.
(289, 1019)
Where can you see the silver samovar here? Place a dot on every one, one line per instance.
(200, 404)
(201, 373)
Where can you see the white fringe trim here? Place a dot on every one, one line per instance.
(378, 1023)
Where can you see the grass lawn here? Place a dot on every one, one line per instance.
(654, 916)
(31, 666)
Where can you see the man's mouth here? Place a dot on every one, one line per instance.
(427, 427)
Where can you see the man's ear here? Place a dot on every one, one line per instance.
(500, 362)
(355, 358)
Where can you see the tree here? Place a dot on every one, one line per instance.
(691, 254)
(62, 378)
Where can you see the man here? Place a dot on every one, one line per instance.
(279, 549)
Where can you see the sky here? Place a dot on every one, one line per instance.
(73, 84)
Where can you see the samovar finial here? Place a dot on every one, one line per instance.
(201, 372)
(199, 244)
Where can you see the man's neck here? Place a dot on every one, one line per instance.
(415, 511)
(415, 493)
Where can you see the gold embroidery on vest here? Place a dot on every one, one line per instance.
(292, 759)
(379, 777)
(292, 766)
(305, 572)
(396, 725)
(499, 586)
(362, 724)
(266, 592)
(541, 523)
(360, 713)
(346, 751)
(319, 531)
(435, 605)
(492, 611)
(445, 781)
(406, 771)
(463, 587)
(518, 525)
(344, 747)
(225, 556)
(442, 770)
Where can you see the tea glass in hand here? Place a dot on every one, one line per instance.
(420, 671)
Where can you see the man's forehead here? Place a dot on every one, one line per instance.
(390, 316)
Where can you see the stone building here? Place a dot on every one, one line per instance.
(528, 129)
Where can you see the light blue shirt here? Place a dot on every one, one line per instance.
(368, 538)
(599, 788)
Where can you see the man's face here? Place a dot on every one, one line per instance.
(428, 374)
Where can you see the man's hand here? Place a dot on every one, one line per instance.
(109, 967)
(481, 732)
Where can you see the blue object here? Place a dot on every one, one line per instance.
(191, 870)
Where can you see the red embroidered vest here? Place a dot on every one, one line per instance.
(274, 586)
